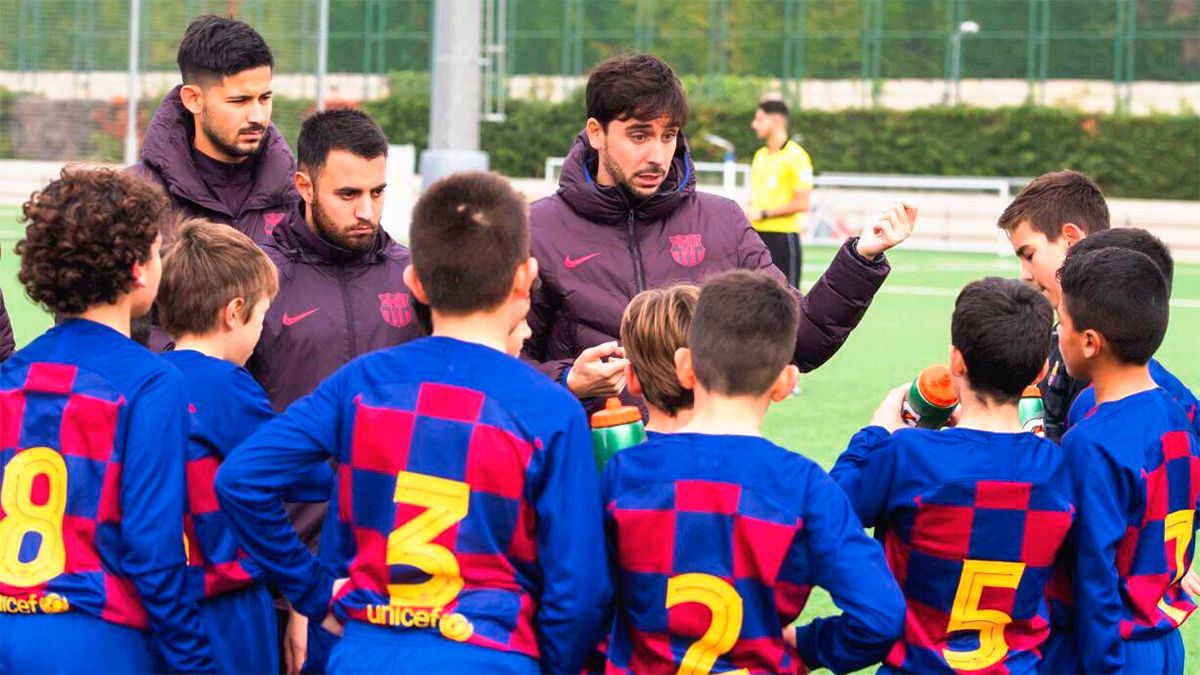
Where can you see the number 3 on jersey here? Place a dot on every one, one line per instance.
(24, 517)
(446, 502)
(723, 629)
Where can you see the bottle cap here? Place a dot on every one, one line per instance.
(1031, 391)
(937, 387)
(615, 414)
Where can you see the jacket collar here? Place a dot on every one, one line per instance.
(298, 242)
(610, 205)
(168, 149)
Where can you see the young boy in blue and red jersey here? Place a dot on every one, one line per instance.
(466, 480)
(719, 534)
(1135, 239)
(93, 440)
(654, 325)
(215, 290)
(1136, 464)
(972, 518)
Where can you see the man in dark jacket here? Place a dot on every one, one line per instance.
(627, 217)
(341, 293)
(211, 144)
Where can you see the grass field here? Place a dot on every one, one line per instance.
(907, 328)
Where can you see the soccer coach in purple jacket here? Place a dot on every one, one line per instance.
(627, 217)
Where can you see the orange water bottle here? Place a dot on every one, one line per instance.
(931, 399)
(615, 428)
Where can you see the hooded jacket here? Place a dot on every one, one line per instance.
(333, 305)
(596, 249)
(167, 160)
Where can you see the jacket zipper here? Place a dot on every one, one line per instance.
(349, 312)
(636, 253)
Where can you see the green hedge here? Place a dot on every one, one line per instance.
(1154, 157)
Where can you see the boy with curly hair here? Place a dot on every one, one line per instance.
(93, 435)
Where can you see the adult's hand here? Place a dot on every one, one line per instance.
(295, 642)
(893, 226)
(598, 371)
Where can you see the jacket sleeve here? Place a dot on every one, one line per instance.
(576, 589)
(153, 495)
(834, 304)
(1102, 492)
(7, 344)
(256, 477)
(843, 560)
(542, 311)
(865, 472)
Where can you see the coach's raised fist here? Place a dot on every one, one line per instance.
(598, 371)
(892, 227)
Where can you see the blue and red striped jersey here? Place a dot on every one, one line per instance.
(226, 406)
(718, 541)
(1136, 462)
(1085, 403)
(466, 497)
(93, 435)
(972, 523)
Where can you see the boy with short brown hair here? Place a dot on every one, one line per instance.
(654, 326)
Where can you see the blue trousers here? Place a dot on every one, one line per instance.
(1161, 655)
(241, 631)
(73, 642)
(373, 649)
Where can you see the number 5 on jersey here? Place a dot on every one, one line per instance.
(28, 523)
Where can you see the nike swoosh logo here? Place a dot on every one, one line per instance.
(571, 264)
(293, 320)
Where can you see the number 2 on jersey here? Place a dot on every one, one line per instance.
(726, 606)
(446, 502)
(23, 517)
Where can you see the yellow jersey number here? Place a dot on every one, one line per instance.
(1178, 526)
(724, 603)
(445, 502)
(23, 517)
(990, 623)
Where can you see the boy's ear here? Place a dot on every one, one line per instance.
(631, 380)
(785, 383)
(683, 368)
(1073, 233)
(1092, 343)
(231, 313)
(523, 279)
(192, 98)
(595, 132)
(304, 185)
(1042, 373)
(958, 365)
(414, 284)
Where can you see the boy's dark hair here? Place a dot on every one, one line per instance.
(469, 233)
(206, 267)
(83, 233)
(743, 333)
(338, 129)
(215, 46)
(1054, 199)
(635, 86)
(1132, 239)
(773, 106)
(993, 319)
(1120, 294)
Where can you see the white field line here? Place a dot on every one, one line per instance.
(936, 292)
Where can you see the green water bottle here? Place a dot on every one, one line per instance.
(1033, 412)
(931, 399)
(615, 428)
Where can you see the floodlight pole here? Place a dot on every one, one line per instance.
(456, 80)
(322, 50)
(131, 105)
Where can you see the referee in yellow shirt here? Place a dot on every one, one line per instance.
(781, 181)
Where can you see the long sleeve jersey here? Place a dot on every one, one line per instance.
(972, 523)
(718, 541)
(1136, 463)
(93, 441)
(466, 482)
(1085, 402)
